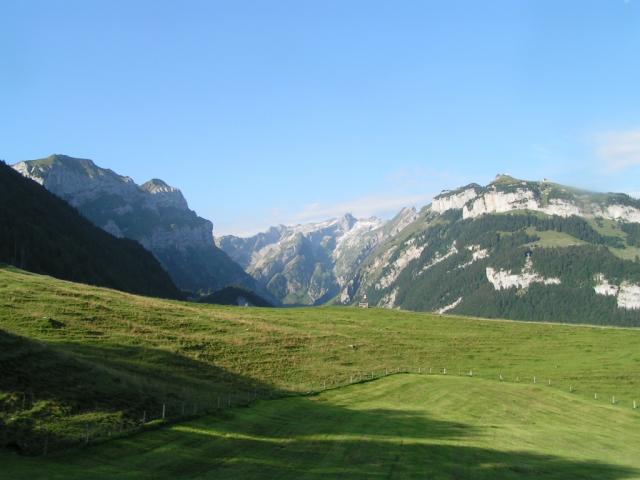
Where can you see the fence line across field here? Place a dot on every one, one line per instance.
(169, 412)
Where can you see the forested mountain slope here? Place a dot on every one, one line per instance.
(42, 233)
(155, 214)
(513, 249)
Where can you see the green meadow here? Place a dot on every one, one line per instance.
(402, 426)
(75, 357)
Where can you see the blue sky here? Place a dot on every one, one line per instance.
(269, 112)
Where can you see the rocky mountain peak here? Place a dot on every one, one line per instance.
(78, 180)
(155, 214)
(164, 195)
(155, 185)
(347, 221)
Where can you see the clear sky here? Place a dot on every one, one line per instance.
(267, 112)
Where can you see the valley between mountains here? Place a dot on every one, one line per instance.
(125, 352)
(528, 250)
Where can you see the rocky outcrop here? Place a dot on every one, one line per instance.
(440, 257)
(451, 201)
(507, 194)
(603, 287)
(163, 195)
(504, 279)
(154, 213)
(449, 307)
(620, 212)
(500, 202)
(407, 255)
(627, 294)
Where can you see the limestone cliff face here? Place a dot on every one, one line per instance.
(496, 201)
(456, 200)
(508, 194)
(627, 294)
(505, 279)
(154, 213)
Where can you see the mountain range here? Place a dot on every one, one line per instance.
(309, 264)
(515, 249)
(155, 214)
(42, 233)
(531, 250)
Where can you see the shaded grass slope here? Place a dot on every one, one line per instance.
(401, 427)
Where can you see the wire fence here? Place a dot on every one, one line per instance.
(90, 428)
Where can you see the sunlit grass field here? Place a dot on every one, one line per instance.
(73, 355)
(402, 426)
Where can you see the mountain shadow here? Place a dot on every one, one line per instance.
(42, 233)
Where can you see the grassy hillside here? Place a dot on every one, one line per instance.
(74, 355)
(405, 426)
